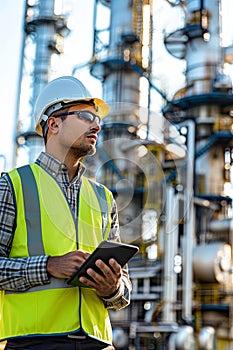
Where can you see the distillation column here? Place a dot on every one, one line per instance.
(122, 69)
(44, 33)
(130, 162)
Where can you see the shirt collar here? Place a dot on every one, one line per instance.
(54, 167)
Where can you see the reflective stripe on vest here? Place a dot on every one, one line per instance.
(32, 211)
(54, 308)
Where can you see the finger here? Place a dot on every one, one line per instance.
(112, 271)
(88, 282)
(79, 254)
(115, 266)
(97, 277)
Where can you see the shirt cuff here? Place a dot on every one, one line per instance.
(36, 270)
(119, 293)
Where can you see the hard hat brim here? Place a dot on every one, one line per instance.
(102, 106)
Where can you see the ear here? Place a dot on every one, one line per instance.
(53, 124)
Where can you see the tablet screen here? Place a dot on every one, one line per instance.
(121, 252)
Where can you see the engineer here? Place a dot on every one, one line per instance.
(51, 219)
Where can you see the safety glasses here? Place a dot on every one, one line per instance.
(84, 115)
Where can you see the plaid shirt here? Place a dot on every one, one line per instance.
(20, 274)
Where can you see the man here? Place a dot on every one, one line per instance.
(51, 220)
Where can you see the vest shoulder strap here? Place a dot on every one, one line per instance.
(104, 203)
(32, 210)
(101, 195)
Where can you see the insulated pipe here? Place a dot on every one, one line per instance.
(212, 263)
(223, 226)
(203, 56)
(189, 225)
(170, 249)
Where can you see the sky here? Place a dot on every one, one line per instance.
(10, 41)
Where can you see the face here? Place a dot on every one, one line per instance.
(78, 136)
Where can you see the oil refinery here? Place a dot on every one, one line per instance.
(167, 158)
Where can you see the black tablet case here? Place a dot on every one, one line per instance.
(121, 252)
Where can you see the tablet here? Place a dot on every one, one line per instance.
(121, 252)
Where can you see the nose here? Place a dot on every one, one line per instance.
(96, 125)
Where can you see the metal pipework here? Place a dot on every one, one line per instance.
(212, 263)
(46, 30)
(46, 26)
(203, 54)
(171, 248)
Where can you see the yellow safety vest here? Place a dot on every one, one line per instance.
(45, 226)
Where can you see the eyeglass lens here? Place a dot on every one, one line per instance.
(86, 115)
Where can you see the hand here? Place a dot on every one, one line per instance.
(107, 284)
(65, 265)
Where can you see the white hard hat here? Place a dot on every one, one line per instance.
(60, 91)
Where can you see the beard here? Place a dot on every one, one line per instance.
(83, 150)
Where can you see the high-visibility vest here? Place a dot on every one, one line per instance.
(45, 226)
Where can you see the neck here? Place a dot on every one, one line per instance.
(68, 159)
(72, 166)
